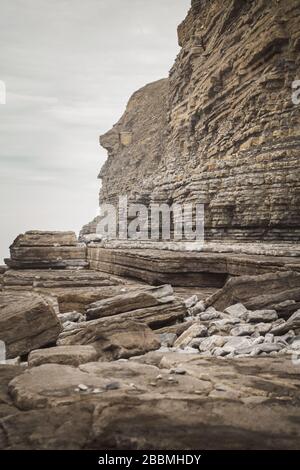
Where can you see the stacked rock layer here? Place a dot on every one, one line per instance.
(222, 130)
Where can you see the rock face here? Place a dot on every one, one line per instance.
(27, 322)
(115, 363)
(182, 268)
(34, 250)
(222, 130)
(278, 291)
(161, 401)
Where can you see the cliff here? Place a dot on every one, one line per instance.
(222, 129)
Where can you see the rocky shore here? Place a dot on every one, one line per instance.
(101, 361)
(113, 344)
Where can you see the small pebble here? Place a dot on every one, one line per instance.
(83, 388)
(178, 371)
(112, 386)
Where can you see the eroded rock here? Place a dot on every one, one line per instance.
(27, 321)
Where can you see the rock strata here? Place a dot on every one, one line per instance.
(36, 249)
(222, 129)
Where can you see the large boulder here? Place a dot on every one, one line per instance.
(266, 291)
(27, 321)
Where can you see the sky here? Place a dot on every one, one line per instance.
(69, 68)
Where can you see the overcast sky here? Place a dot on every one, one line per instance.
(69, 67)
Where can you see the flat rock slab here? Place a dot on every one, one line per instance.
(27, 321)
(58, 278)
(46, 238)
(158, 401)
(67, 355)
(78, 298)
(133, 300)
(182, 268)
(113, 338)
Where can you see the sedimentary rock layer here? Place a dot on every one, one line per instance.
(36, 250)
(270, 290)
(222, 130)
(185, 268)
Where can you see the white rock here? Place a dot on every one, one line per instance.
(69, 326)
(222, 326)
(264, 316)
(295, 345)
(269, 338)
(220, 352)
(243, 330)
(263, 328)
(209, 316)
(237, 310)
(191, 301)
(194, 331)
(71, 317)
(167, 339)
(82, 387)
(212, 342)
(198, 308)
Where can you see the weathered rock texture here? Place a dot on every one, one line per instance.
(27, 322)
(113, 338)
(73, 289)
(214, 404)
(40, 249)
(222, 129)
(269, 291)
(185, 268)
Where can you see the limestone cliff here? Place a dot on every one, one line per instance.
(222, 130)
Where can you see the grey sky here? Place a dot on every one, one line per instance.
(69, 68)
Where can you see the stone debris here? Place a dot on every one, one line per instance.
(197, 308)
(246, 333)
(71, 317)
(195, 331)
(191, 302)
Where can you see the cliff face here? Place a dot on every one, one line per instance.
(136, 144)
(222, 130)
